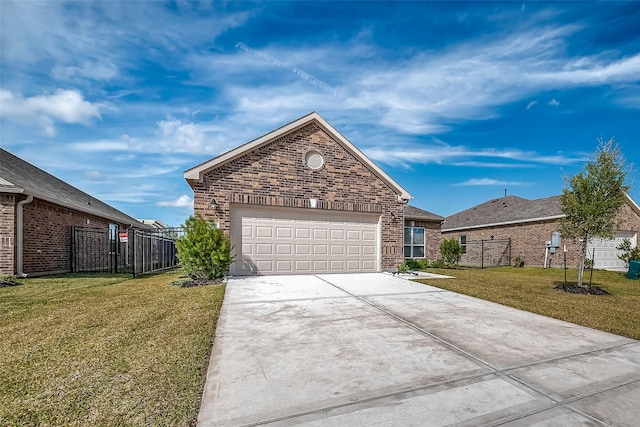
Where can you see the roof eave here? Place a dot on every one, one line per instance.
(88, 211)
(196, 173)
(497, 224)
(633, 204)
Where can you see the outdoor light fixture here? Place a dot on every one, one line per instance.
(393, 215)
(214, 205)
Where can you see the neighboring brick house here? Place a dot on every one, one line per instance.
(422, 235)
(529, 225)
(37, 211)
(302, 199)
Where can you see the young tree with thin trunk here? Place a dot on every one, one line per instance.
(592, 198)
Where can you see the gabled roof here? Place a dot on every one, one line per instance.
(18, 176)
(411, 212)
(503, 211)
(196, 173)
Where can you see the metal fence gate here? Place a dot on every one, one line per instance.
(155, 250)
(486, 253)
(134, 251)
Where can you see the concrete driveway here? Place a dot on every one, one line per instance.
(377, 350)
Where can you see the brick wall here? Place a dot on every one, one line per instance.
(7, 234)
(529, 239)
(47, 241)
(276, 175)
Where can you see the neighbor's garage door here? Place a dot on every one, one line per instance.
(303, 241)
(606, 254)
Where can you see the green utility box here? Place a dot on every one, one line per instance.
(634, 270)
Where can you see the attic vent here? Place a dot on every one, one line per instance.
(314, 160)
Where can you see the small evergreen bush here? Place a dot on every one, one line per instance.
(413, 264)
(451, 252)
(204, 251)
(438, 263)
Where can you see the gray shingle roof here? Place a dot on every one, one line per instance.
(18, 176)
(507, 209)
(411, 212)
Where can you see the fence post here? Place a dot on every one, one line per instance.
(134, 260)
(482, 254)
(73, 249)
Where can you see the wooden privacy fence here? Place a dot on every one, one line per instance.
(486, 253)
(134, 251)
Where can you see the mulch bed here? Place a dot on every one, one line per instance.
(575, 289)
(192, 283)
(5, 283)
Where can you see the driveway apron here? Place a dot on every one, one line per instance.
(377, 350)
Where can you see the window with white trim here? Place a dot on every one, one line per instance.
(414, 242)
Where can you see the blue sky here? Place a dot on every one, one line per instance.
(457, 101)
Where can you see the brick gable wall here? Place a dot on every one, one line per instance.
(276, 175)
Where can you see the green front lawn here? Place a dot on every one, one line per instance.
(104, 350)
(532, 289)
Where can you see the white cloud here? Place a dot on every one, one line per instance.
(67, 106)
(531, 104)
(181, 136)
(101, 70)
(553, 103)
(473, 182)
(441, 153)
(183, 201)
(94, 176)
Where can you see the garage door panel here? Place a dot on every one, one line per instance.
(369, 236)
(368, 250)
(284, 266)
(337, 250)
(319, 233)
(247, 249)
(303, 266)
(353, 265)
(263, 265)
(262, 231)
(368, 265)
(264, 249)
(337, 264)
(283, 232)
(353, 235)
(606, 252)
(320, 249)
(321, 265)
(288, 241)
(337, 234)
(283, 249)
(303, 233)
(303, 249)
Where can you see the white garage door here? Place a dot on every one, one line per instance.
(606, 255)
(303, 241)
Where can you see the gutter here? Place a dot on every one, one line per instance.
(19, 236)
(496, 224)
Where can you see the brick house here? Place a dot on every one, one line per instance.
(37, 211)
(422, 235)
(529, 225)
(302, 199)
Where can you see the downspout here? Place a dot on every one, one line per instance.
(19, 237)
